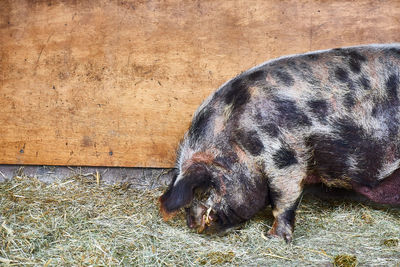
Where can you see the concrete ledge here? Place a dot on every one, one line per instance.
(136, 177)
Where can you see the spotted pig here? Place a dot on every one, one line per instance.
(329, 117)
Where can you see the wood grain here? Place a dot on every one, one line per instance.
(115, 83)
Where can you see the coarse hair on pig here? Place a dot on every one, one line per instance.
(329, 117)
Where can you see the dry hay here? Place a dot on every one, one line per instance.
(80, 221)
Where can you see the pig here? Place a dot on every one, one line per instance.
(327, 117)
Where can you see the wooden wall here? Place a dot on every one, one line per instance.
(115, 83)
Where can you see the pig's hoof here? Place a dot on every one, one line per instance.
(283, 233)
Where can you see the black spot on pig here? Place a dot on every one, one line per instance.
(237, 94)
(250, 141)
(375, 112)
(365, 83)
(356, 60)
(290, 115)
(327, 156)
(357, 55)
(330, 154)
(200, 124)
(284, 157)
(304, 72)
(392, 85)
(386, 111)
(312, 57)
(283, 76)
(341, 74)
(395, 51)
(355, 65)
(303, 65)
(319, 107)
(271, 129)
(258, 75)
(354, 134)
(348, 129)
(370, 159)
(349, 101)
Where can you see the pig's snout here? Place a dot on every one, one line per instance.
(200, 216)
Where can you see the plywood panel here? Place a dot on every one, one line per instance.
(115, 83)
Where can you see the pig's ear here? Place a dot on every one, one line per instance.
(181, 192)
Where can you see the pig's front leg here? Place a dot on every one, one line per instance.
(285, 194)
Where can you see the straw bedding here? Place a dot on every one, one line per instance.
(82, 221)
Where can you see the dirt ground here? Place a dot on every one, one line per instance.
(54, 216)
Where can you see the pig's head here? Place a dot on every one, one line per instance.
(216, 195)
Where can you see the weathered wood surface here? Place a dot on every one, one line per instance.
(115, 83)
